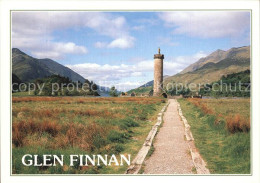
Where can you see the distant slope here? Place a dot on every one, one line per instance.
(28, 68)
(218, 55)
(62, 70)
(209, 69)
(15, 79)
(241, 79)
(15, 82)
(146, 88)
(150, 83)
(141, 90)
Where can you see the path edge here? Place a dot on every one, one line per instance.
(136, 164)
(197, 160)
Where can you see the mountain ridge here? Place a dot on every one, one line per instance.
(218, 55)
(28, 68)
(210, 68)
(150, 83)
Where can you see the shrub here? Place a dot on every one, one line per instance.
(130, 122)
(99, 141)
(206, 110)
(237, 123)
(119, 148)
(17, 136)
(115, 136)
(51, 127)
(203, 107)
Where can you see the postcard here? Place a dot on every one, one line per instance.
(136, 93)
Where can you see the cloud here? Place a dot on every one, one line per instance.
(45, 47)
(207, 24)
(94, 71)
(135, 59)
(104, 72)
(138, 28)
(38, 23)
(123, 43)
(111, 75)
(166, 41)
(33, 31)
(199, 55)
(58, 49)
(136, 73)
(126, 86)
(148, 21)
(122, 86)
(185, 60)
(100, 44)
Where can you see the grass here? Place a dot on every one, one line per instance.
(25, 93)
(78, 125)
(225, 151)
(150, 152)
(235, 112)
(226, 107)
(194, 170)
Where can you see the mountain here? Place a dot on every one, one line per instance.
(150, 83)
(241, 79)
(15, 82)
(218, 55)
(208, 69)
(146, 88)
(28, 68)
(15, 79)
(62, 70)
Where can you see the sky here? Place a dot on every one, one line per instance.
(117, 48)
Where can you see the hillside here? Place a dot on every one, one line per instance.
(150, 83)
(208, 69)
(62, 70)
(233, 81)
(146, 88)
(15, 82)
(141, 90)
(28, 68)
(211, 72)
(218, 55)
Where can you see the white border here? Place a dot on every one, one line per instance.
(6, 6)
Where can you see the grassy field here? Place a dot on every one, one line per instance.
(78, 125)
(227, 107)
(221, 129)
(21, 94)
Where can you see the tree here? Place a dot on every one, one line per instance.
(113, 92)
(94, 88)
(47, 89)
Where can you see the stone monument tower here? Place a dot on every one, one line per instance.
(158, 74)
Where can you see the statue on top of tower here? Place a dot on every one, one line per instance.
(159, 50)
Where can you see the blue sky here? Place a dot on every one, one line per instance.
(116, 48)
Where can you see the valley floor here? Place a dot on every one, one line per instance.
(221, 129)
(79, 125)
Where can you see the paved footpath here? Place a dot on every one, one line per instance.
(171, 155)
